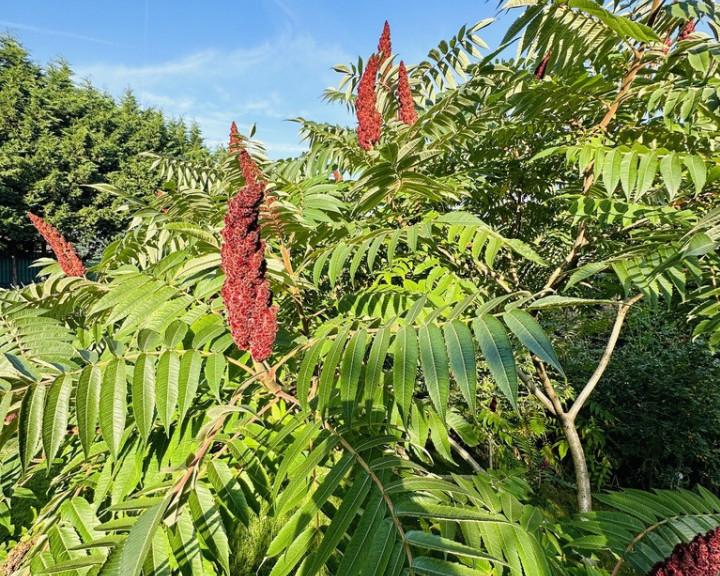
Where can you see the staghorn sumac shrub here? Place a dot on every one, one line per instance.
(402, 259)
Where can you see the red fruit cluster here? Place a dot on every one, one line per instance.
(369, 119)
(688, 29)
(540, 70)
(406, 112)
(235, 140)
(699, 557)
(64, 252)
(250, 170)
(384, 45)
(246, 292)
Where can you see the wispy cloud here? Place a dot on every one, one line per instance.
(289, 14)
(61, 33)
(265, 84)
(205, 64)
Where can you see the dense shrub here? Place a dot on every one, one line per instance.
(657, 404)
(401, 263)
(58, 137)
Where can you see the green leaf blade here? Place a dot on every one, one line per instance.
(434, 361)
(113, 404)
(350, 371)
(143, 394)
(209, 525)
(167, 385)
(55, 416)
(87, 405)
(188, 381)
(139, 540)
(461, 354)
(671, 171)
(405, 368)
(228, 490)
(495, 346)
(31, 422)
(532, 336)
(327, 380)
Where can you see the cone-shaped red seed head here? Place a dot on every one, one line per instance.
(235, 141)
(540, 70)
(405, 100)
(369, 119)
(384, 45)
(699, 557)
(64, 252)
(264, 334)
(688, 29)
(249, 168)
(246, 292)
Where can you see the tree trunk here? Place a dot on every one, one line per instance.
(582, 477)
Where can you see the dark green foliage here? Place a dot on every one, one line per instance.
(58, 137)
(658, 403)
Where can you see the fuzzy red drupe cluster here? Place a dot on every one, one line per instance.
(369, 119)
(699, 557)
(246, 292)
(64, 252)
(384, 45)
(407, 112)
(688, 29)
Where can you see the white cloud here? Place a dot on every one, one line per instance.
(208, 63)
(183, 104)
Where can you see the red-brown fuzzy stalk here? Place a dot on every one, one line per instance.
(540, 70)
(369, 119)
(699, 557)
(235, 140)
(249, 168)
(246, 292)
(64, 252)
(406, 111)
(384, 45)
(688, 29)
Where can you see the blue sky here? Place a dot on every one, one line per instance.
(214, 62)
